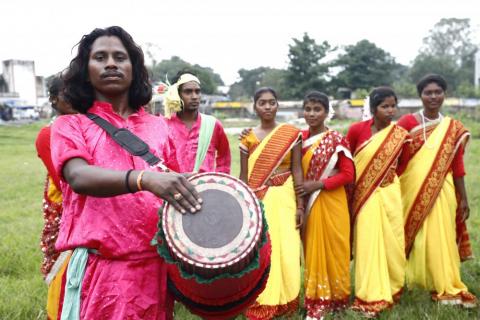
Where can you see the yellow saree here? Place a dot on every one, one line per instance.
(55, 264)
(430, 204)
(327, 232)
(278, 195)
(379, 250)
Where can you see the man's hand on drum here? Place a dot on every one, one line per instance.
(174, 188)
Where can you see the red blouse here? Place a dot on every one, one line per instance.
(360, 132)
(409, 122)
(344, 166)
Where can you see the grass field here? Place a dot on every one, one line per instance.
(23, 293)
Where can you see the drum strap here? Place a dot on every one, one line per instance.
(128, 141)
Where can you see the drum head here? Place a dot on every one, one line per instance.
(217, 223)
(226, 230)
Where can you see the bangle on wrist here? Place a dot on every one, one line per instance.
(301, 208)
(139, 180)
(127, 183)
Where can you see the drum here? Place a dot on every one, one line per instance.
(220, 256)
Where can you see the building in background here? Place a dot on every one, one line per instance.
(20, 82)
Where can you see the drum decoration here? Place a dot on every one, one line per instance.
(219, 257)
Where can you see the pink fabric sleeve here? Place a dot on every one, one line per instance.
(67, 142)
(346, 173)
(170, 155)
(223, 159)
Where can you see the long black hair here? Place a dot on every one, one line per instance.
(79, 90)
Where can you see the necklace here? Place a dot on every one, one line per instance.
(422, 115)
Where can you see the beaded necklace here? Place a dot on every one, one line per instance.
(422, 115)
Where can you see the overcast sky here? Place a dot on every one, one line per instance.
(224, 35)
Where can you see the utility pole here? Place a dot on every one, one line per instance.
(477, 69)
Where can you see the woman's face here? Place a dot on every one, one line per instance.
(314, 114)
(432, 96)
(266, 106)
(386, 110)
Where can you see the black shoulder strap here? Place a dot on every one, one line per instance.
(126, 139)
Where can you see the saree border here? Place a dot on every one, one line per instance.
(377, 168)
(433, 182)
(272, 154)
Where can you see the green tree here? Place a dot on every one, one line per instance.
(448, 50)
(305, 71)
(405, 89)
(450, 37)
(169, 68)
(425, 64)
(250, 80)
(468, 90)
(364, 66)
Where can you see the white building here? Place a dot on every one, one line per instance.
(19, 76)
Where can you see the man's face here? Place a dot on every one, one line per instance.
(190, 94)
(109, 66)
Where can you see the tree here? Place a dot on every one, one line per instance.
(169, 68)
(250, 80)
(405, 89)
(364, 66)
(305, 72)
(425, 64)
(450, 37)
(448, 50)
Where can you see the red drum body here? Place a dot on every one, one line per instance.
(220, 255)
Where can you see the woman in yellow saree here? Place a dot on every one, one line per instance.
(270, 160)
(327, 166)
(378, 246)
(434, 199)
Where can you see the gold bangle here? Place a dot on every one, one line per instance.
(139, 180)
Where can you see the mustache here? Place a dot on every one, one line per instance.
(112, 74)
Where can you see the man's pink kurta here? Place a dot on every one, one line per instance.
(127, 278)
(186, 143)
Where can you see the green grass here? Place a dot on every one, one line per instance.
(23, 293)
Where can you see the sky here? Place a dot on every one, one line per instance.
(223, 35)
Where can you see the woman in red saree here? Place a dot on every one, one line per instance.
(434, 198)
(270, 163)
(378, 245)
(327, 166)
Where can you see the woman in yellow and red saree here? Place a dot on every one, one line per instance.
(327, 166)
(270, 159)
(378, 245)
(436, 238)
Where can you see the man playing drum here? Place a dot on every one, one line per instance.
(111, 198)
(201, 143)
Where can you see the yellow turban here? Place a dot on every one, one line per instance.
(172, 101)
